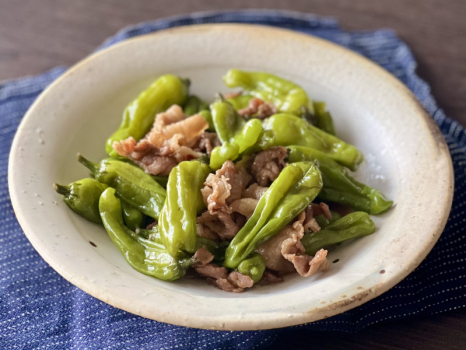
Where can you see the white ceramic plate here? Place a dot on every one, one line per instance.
(406, 158)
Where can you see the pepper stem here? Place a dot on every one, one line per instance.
(87, 163)
(63, 190)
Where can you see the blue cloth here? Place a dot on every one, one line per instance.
(39, 309)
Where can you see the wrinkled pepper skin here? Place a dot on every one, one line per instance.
(139, 115)
(296, 186)
(132, 217)
(240, 102)
(132, 184)
(145, 256)
(83, 197)
(177, 223)
(254, 267)
(339, 186)
(194, 105)
(285, 95)
(324, 119)
(235, 133)
(357, 224)
(215, 248)
(290, 130)
(324, 222)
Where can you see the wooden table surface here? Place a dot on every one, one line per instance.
(36, 35)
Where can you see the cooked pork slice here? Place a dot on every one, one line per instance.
(270, 277)
(146, 156)
(203, 256)
(257, 108)
(212, 270)
(240, 280)
(172, 122)
(285, 252)
(321, 208)
(220, 223)
(244, 206)
(254, 191)
(205, 232)
(268, 164)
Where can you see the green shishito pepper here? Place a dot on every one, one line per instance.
(194, 105)
(357, 224)
(324, 119)
(177, 223)
(215, 248)
(254, 267)
(83, 197)
(339, 186)
(132, 184)
(132, 217)
(145, 256)
(285, 95)
(291, 130)
(324, 222)
(139, 115)
(235, 133)
(296, 186)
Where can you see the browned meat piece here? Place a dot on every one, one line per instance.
(257, 108)
(224, 285)
(205, 232)
(220, 190)
(271, 250)
(170, 142)
(239, 280)
(321, 208)
(220, 223)
(285, 252)
(270, 277)
(254, 191)
(172, 122)
(215, 193)
(146, 156)
(212, 271)
(229, 95)
(268, 164)
(310, 222)
(244, 206)
(207, 142)
(203, 256)
(307, 265)
(151, 225)
(235, 282)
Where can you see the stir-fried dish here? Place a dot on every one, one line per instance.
(237, 192)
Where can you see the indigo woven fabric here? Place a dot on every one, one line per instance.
(39, 309)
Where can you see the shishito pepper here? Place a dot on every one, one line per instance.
(285, 95)
(339, 186)
(296, 186)
(324, 222)
(132, 184)
(145, 256)
(214, 247)
(132, 217)
(254, 267)
(357, 224)
(83, 197)
(194, 105)
(177, 223)
(324, 120)
(139, 115)
(235, 133)
(291, 130)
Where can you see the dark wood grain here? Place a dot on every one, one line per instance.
(36, 35)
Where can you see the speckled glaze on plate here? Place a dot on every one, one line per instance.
(406, 158)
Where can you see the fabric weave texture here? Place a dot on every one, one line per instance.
(41, 310)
